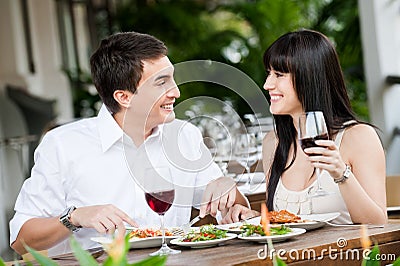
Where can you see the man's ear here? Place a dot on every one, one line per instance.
(123, 97)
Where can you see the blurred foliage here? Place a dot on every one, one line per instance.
(339, 20)
(237, 32)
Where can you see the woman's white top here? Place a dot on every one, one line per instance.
(299, 202)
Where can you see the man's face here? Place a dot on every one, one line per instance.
(156, 93)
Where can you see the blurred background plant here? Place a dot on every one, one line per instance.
(117, 256)
(235, 32)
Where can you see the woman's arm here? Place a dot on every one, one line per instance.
(364, 192)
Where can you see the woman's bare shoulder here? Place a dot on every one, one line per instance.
(361, 139)
(360, 132)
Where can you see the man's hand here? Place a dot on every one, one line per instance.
(103, 218)
(220, 194)
(238, 212)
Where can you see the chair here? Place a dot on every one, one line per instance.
(393, 196)
(393, 191)
(38, 113)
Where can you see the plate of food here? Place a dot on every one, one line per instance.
(140, 237)
(306, 221)
(203, 237)
(237, 227)
(255, 233)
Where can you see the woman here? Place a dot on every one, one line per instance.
(304, 74)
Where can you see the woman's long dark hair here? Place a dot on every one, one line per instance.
(319, 83)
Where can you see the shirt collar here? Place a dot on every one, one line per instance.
(109, 130)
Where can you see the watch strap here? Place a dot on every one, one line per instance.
(345, 176)
(65, 219)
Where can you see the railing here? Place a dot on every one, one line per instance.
(21, 145)
(391, 79)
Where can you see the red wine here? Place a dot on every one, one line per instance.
(161, 201)
(310, 142)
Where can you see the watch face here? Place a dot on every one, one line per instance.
(64, 219)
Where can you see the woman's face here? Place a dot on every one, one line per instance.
(284, 100)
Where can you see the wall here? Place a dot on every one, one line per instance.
(380, 28)
(48, 81)
(12, 124)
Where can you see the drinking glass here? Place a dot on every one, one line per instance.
(223, 152)
(160, 193)
(245, 153)
(312, 127)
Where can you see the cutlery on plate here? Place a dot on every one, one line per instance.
(246, 219)
(184, 228)
(369, 226)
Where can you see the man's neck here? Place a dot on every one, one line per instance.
(136, 129)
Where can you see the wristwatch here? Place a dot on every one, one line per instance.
(65, 219)
(345, 176)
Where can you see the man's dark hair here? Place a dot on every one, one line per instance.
(117, 64)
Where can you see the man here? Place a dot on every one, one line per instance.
(88, 175)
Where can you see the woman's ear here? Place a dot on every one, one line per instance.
(123, 97)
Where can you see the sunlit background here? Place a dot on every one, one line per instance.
(45, 47)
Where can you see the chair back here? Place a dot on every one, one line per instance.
(393, 191)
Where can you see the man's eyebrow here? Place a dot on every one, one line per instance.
(162, 77)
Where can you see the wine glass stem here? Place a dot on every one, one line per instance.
(162, 231)
(248, 181)
(318, 173)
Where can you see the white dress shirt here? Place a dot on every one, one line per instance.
(92, 162)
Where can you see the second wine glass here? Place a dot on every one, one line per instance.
(245, 153)
(312, 127)
(160, 193)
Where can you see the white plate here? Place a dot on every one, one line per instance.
(393, 208)
(203, 244)
(312, 221)
(148, 242)
(235, 227)
(256, 178)
(276, 238)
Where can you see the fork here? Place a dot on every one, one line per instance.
(184, 228)
(369, 226)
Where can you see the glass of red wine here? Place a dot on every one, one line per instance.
(312, 127)
(160, 193)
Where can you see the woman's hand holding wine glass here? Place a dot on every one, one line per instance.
(312, 128)
(328, 158)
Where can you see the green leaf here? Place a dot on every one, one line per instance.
(123, 260)
(2, 262)
(280, 262)
(82, 255)
(151, 261)
(371, 259)
(397, 262)
(41, 259)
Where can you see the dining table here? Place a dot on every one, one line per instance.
(328, 245)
